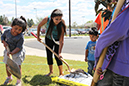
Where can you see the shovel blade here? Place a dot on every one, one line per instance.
(13, 68)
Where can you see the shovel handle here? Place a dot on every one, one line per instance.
(53, 52)
(7, 47)
(99, 65)
(8, 50)
(33, 34)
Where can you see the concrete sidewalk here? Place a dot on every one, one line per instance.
(38, 52)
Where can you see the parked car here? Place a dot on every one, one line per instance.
(87, 30)
(34, 30)
(73, 31)
(43, 31)
(81, 31)
(6, 27)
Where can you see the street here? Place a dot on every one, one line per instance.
(72, 45)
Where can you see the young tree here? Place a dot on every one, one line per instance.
(4, 20)
(30, 22)
(12, 19)
(74, 25)
(89, 21)
(39, 20)
(1, 20)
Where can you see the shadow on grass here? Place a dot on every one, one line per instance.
(39, 80)
(6, 85)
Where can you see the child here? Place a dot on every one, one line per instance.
(90, 48)
(14, 39)
(56, 29)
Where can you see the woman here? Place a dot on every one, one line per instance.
(56, 29)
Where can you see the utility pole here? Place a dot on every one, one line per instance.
(36, 11)
(83, 21)
(69, 18)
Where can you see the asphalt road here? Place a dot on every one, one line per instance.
(72, 45)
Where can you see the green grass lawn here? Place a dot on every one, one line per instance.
(34, 69)
(27, 37)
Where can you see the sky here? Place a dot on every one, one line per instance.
(81, 10)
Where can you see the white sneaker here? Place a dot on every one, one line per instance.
(18, 84)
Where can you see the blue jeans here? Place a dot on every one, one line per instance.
(90, 67)
(113, 79)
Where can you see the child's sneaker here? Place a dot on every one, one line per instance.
(8, 80)
(18, 84)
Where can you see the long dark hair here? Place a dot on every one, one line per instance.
(55, 13)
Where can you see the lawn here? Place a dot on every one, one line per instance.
(27, 37)
(34, 69)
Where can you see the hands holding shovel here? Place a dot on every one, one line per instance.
(13, 67)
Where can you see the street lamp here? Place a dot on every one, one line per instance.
(36, 11)
(83, 20)
(15, 8)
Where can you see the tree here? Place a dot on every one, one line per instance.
(39, 19)
(1, 20)
(12, 19)
(30, 22)
(89, 21)
(74, 25)
(4, 20)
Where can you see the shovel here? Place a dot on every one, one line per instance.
(53, 52)
(13, 67)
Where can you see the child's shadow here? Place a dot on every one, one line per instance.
(39, 80)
